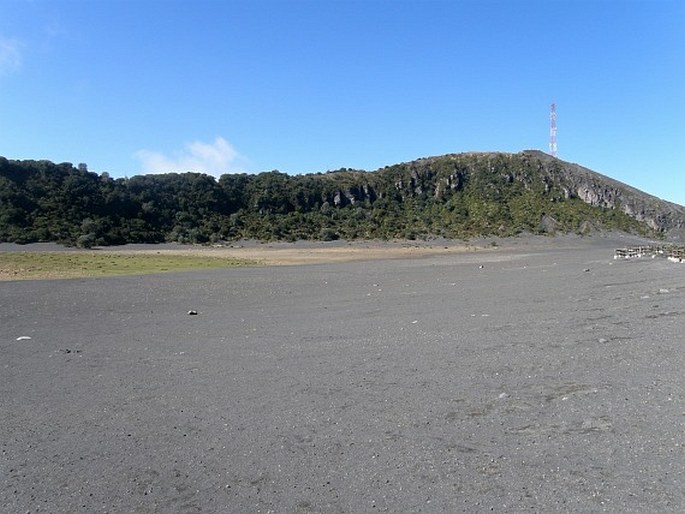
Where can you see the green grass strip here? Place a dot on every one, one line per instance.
(41, 265)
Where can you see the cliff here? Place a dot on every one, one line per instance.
(453, 196)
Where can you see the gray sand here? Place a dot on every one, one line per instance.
(425, 385)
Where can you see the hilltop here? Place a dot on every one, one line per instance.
(453, 196)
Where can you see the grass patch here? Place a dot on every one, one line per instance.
(40, 265)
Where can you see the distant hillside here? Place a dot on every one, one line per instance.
(453, 196)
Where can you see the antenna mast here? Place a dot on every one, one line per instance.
(553, 130)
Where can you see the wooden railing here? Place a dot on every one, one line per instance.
(675, 253)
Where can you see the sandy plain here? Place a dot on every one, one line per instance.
(539, 375)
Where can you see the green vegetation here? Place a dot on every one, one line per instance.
(34, 265)
(454, 196)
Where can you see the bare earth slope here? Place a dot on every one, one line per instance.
(548, 380)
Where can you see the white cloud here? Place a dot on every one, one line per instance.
(10, 55)
(214, 158)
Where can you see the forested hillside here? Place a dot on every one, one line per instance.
(455, 196)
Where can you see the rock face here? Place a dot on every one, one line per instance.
(497, 176)
(602, 191)
(536, 171)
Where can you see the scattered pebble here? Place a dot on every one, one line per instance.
(503, 396)
(192, 313)
(587, 270)
(602, 340)
(663, 291)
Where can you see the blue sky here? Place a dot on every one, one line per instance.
(304, 86)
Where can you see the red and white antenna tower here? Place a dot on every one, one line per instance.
(553, 130)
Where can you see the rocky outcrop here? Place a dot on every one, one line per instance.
(601, 191)
(537, 172)
(352, 195)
